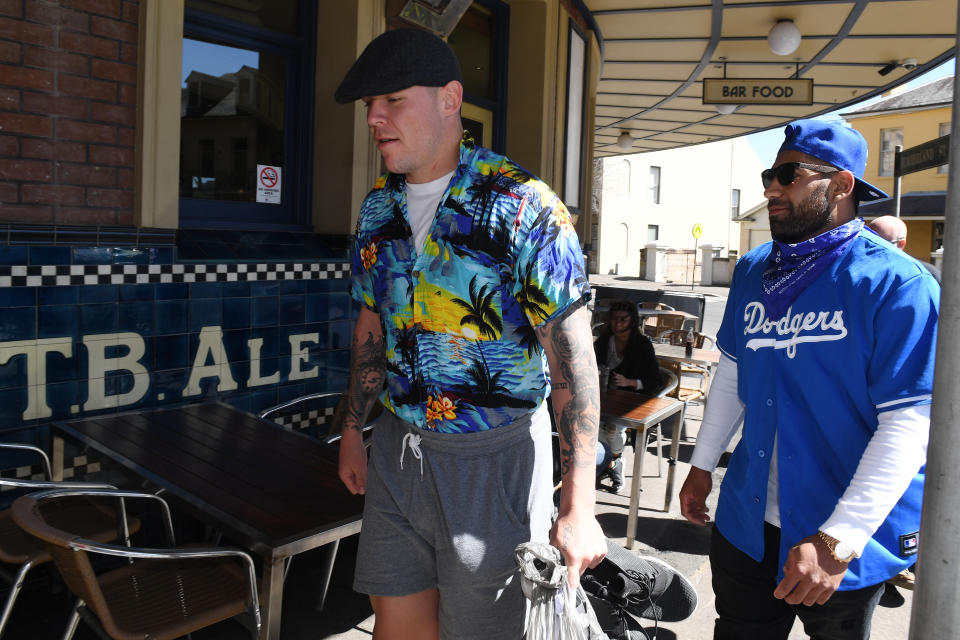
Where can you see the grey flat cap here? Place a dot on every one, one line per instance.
(396, 60)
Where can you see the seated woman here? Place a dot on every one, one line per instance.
(628, 358)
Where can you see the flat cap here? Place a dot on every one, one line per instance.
(396, 60)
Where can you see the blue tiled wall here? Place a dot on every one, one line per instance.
(128, 304)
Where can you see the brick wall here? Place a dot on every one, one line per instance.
(68, 73)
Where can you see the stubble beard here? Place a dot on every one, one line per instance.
(810, 218)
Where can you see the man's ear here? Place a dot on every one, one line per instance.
(451, 97)
(843, 185)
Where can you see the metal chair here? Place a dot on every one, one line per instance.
(652, 325)
(305, 412)
(297, 414)
(700, 341)
(90, 519)
(670, 383)
(159, 593)
(309, 411)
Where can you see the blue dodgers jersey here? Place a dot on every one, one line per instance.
(858, 341)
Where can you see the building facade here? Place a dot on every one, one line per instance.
(178, 188)
(907, 119)
(658, 197)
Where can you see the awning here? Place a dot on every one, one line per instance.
(916, 204)
(657, 53)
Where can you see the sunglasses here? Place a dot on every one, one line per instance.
(786, 173)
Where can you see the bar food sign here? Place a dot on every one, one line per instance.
(123, 354)
(757, 91)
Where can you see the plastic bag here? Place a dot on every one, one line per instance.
(557, 612)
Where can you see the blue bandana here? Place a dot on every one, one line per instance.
(792, 267)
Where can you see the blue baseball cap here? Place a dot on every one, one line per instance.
(835, 144)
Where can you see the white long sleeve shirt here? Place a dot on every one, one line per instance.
(888, 464)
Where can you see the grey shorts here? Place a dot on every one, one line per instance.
(455, 527)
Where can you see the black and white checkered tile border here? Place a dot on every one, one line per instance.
(304, 420)
(78, 467)
(77, 274)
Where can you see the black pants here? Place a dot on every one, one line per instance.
(747, 610)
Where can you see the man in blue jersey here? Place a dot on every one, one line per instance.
(828, 348)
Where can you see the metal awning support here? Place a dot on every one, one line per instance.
(897, 182)
(936, 613)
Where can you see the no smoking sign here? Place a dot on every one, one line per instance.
(268, 184)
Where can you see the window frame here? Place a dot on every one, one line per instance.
(498, 106)
(655, 184)
(734, 203)
(889, 152)
(300, 50)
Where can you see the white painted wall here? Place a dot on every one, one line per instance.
(695, 187)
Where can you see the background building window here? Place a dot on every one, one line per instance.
(247, 77)
(889, 140)
(653, 233)
(734, 204)
(944, 131)
(655, 185)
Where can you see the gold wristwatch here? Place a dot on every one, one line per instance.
(841, 551)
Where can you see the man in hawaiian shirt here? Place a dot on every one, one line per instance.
(470, 278)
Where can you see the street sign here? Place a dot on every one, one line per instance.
(757, 91)
(932, 153)
(697, 231)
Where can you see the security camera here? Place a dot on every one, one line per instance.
(909, 63)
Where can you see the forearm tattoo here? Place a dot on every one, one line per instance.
(577, 418)
(368, 370)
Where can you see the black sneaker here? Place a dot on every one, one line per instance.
(643, 585)
(615, 622)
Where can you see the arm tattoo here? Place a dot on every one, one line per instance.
(566, 536)
(368, 370)
(579, 417)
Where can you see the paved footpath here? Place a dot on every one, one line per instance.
(668, 536)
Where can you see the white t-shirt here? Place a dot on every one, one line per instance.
(422, 201)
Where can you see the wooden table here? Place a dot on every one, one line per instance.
(641, 412)
(274, 491)
(678, 353)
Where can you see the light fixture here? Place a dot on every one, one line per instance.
(784, 37)
(624, 140)
(725, 109)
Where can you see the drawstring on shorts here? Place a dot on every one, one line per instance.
(412, 440)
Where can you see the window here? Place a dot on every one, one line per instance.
(944, 131)
(655, 185)
(653, 233)
(890, 139)
(246, 83)
(480, 42)
(616, 176)
(734, 204)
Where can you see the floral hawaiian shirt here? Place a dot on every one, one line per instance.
(501, 258)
